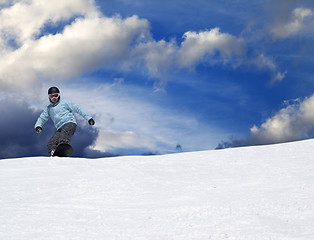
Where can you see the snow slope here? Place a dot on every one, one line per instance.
(258, 193)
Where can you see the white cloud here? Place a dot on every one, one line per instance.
(24, 19)
(293, 122)
(85, 45)
(197, 45)
(110, 140)
(210, 46)
(295, 23)
(162, 56)
(88, 44)
(262, 61)
(159, 57)
(91, 41)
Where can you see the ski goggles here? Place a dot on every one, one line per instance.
(54, 95)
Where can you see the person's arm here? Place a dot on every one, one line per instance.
(77, 109)
(42, 119)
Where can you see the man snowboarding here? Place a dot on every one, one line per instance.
(61, 112)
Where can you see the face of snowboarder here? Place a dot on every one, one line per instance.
(54, 97)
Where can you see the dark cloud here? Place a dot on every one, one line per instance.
(232, 143)
(19, 139)
(252, 140)
(17, 136)
(248, 141)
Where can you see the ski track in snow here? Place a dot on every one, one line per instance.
(249, 193)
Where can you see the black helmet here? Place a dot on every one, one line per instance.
(53, 90)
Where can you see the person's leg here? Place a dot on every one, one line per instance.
(66, 133)
(53, 142)
(62, 135)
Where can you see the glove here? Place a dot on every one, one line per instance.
(91, 121)
(38, 130)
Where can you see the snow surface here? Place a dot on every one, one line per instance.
(258, 193)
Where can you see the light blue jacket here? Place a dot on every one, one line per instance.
(61, 113)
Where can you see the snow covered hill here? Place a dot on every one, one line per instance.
(258, 193)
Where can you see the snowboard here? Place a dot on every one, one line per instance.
(63, 150)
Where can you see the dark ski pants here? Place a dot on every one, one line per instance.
(62, 135)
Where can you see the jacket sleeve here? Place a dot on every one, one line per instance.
(77, 109)
(43, 118)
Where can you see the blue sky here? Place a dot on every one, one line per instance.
(157, 74)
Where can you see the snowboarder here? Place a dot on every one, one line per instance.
(61, 112)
